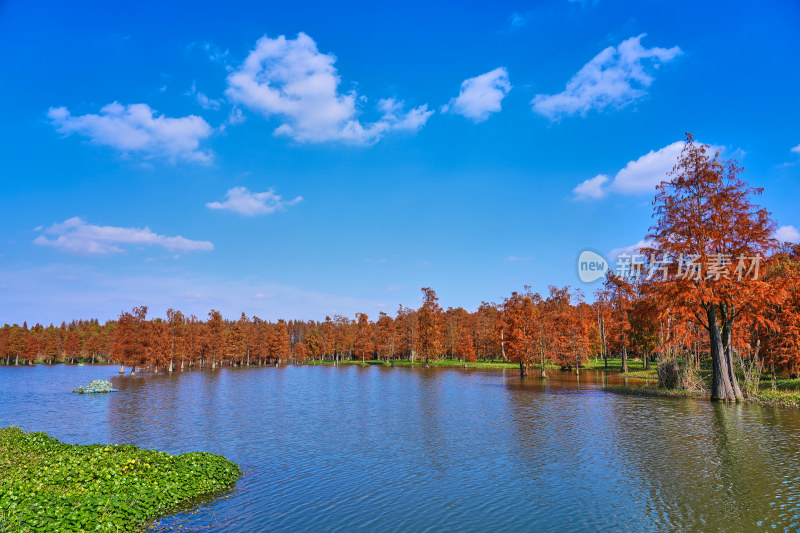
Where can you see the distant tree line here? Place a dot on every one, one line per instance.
(683, 305)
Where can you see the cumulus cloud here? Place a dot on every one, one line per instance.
(637, 177)
(788, 234)
(76, 236)
(615, 77)
(480, 96)
(591, 189)
(135, 129)
(244, 202)
(645, 173)
(291, 80)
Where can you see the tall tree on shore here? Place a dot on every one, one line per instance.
(130, 341)
(177, 335)
(215, 329)
(299, 352)
(385, 336)
(407, 328)
(431, 325)
(519, 313)
(72, 344)
(619, 293)
(488, 325)
(314, 344)
(363, 345)
(706, 222)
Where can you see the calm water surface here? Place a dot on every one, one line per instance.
(374, 448)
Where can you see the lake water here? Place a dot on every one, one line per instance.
(373, 448)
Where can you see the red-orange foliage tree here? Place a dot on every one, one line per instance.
(519, 313)
(385, 336)
(705, 216)
(363, 345)
(431, 326)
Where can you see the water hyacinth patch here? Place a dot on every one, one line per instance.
(47, 485)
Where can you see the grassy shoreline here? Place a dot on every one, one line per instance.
(47, 485)
(778, 398)
(635, 367)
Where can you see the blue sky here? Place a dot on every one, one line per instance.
(291, 162)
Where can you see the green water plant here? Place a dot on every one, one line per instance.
(48, 485)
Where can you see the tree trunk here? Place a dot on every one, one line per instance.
(721, 387)
(523, 370)
(121, 368)
(727, 341)
(624, 359)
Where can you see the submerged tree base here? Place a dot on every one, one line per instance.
(47, 485)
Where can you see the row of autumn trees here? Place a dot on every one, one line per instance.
(525, 328)
(683, 305)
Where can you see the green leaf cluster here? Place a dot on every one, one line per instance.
(47, 485)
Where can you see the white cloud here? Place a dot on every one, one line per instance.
(244, 202)
(213, 52)
(206, 102)
(236, 116)
(480, 96)
(203, 99)
(645, 173)
(134, 129)
(796, 149)
(788, 234)
(514, 258)
(392, 113)
(614, 254)
(76, 236)
(639, 176)
(591, 189)
(615, 77)
(292, 80)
